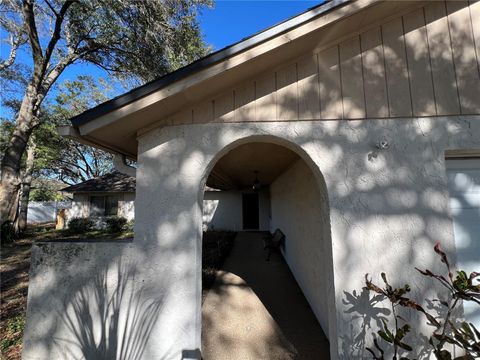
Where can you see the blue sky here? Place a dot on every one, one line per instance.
(232, 20)
(226, 23)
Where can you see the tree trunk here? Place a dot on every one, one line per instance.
(11, 162)
(21, 220)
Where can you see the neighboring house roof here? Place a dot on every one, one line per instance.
(206, 61)
(111, 182)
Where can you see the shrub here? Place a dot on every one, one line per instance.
(130, 225)
(80, 225)
(115, 224)
(464, 336)
(13, 332)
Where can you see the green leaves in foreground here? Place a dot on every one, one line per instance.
(395, 336)
(464, 336)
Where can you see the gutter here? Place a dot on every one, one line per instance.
(71, 132)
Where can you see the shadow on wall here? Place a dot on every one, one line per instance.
(108, 317)
(365, 309)
(371, 312)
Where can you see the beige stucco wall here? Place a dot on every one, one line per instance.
(126, 206)
(81, 205)
(387, 208)
(222, 210)
(300, 210)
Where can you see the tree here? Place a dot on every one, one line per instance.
(139, 39)
(63, 159)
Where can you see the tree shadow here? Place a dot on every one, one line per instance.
(108, 317)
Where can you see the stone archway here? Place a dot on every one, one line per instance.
(298, 203)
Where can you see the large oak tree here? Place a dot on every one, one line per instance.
(132, 39)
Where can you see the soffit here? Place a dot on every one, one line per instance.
(236, 169)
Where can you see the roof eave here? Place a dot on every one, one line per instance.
(204, 63)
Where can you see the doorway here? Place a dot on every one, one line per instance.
(250, 211)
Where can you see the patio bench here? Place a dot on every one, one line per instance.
(273, 242)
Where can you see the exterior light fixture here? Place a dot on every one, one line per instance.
(382, 145)
(256, 182)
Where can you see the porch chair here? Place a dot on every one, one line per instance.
(273, 242)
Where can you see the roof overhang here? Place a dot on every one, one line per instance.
(115, 125)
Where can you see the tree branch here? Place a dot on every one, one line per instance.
(32, 32)
(15, 44)
(56, 31)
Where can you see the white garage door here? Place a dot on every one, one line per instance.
(464, 188)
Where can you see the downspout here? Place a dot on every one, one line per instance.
(120, 164)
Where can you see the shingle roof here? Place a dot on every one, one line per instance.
(111, 182)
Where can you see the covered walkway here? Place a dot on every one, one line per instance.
(256, 310)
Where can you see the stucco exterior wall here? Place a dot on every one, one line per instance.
(126, 206)
(222, 210)
(300, 210)
(81, 206)
(387, 209)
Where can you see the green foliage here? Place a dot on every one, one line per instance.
(397, 297)
(460, 287)
(64, 159)
(45, 192)
(14, 332)
(145, 39)
(115, 224)
(135, 41)
(6, 130)
(130, 225)
(80, 225)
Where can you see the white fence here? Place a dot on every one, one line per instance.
(45, 211)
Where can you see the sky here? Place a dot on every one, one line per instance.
(227, 22)
(232, 20)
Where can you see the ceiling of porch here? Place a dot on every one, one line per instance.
(236, 169)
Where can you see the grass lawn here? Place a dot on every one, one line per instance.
(14, 269)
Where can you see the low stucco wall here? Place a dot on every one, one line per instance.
(300, 210)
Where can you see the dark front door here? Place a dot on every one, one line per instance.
(250, 211)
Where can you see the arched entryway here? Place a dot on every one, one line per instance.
(278, 308)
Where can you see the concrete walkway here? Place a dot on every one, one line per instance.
(256, 310)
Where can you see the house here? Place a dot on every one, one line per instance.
(359, 121)
(112, 194)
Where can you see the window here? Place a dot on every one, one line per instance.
(104, 205)
(111, 205)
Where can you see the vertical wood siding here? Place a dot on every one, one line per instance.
(424, 63)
